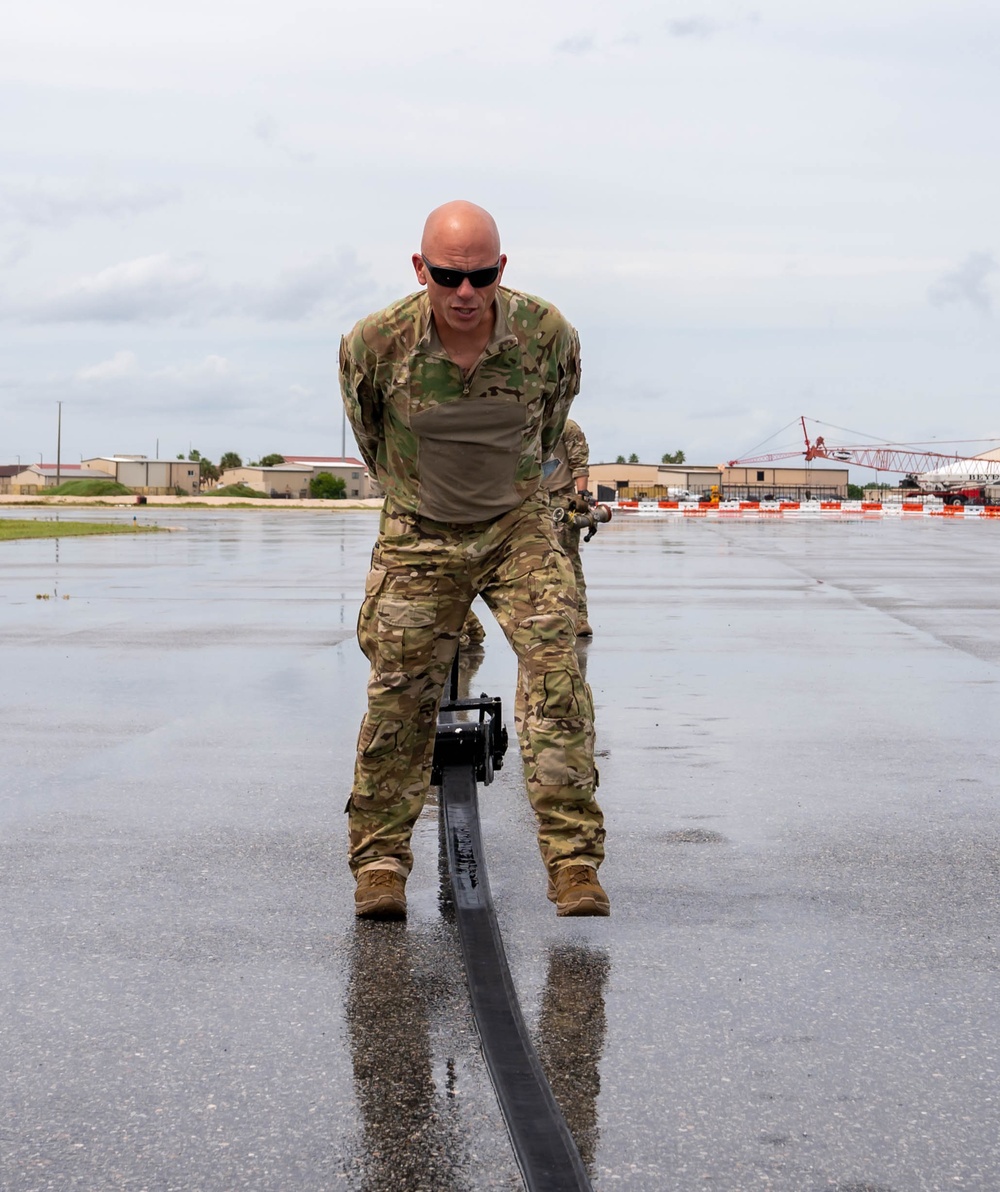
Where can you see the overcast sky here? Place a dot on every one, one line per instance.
(750, 212)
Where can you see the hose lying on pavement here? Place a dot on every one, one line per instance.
(541, 1140)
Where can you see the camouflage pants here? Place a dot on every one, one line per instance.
(569, 540)
(423, 579)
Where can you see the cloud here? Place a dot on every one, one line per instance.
(122, 364)
(300, 292)
(691, 27)
(12, 250)
(204, 372)
(161, 288)
(146, 288)
(575, 45)
(51, 206)
(712, 413)
(220, 399)
(124, 367)
(967, 283)
(267, 130)
(195, 390)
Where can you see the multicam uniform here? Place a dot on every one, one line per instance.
(573, 454)
(459, 458)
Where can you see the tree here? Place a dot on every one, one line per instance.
(672, 457)
(206, 469)
(855, 492)
(271, 461)
(633, 458)
(325, 487)
(230, 460)
(620, 459)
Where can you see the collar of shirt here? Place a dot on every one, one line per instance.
(501, 337)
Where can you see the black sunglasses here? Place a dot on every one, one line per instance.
(451, 279)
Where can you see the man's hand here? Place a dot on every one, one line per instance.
(580, 503)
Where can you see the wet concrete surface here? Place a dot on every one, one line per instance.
(796, 989)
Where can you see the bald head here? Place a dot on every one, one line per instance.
(460, 239)
(460, 230)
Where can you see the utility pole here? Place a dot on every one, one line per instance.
(343, 433)
(59, 444)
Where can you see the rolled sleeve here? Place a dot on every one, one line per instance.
(563, 391)
(361, 399)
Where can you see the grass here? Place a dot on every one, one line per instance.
(237, 490)
(90, 488)
(12, 528)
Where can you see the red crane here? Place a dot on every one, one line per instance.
(883, 457)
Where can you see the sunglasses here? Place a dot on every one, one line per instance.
(451, 279)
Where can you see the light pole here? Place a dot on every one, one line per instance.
(59, 444)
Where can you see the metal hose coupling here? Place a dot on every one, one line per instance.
(595, 516)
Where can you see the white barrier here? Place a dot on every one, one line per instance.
(769, 509)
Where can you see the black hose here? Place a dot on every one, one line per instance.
(542, 1143)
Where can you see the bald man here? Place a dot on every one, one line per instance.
(456, 394)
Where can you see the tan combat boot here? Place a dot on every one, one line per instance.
(380, 894)
(583, 628)
(576, 891)
(473, 632)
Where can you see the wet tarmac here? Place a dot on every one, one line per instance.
(797, 988)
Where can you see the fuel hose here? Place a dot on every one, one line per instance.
(541, 1140)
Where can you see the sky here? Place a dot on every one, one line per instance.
(750, 212)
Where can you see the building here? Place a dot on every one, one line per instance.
(29, 481)
(292, 478)
(632, 481)
(795, 484)
(7, 474)
(638, 481)
(282, 480)
(357, 481)
(152, 477)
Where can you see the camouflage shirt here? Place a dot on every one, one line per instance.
(453, 446)
(573, 454)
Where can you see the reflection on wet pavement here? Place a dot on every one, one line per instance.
(470, 659)
(571, 1028)
(797, 988)
(411, 1131)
